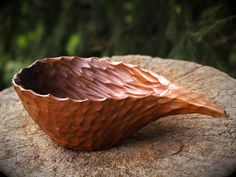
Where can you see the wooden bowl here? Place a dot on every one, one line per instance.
(93, 103)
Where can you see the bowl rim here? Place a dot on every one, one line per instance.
(69, 58)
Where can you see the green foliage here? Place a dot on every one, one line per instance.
(72, 44)
(201, 31)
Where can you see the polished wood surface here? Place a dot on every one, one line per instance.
(93, 103)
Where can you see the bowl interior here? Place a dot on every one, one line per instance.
(90, 78)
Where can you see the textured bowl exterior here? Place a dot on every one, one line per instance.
(93, 104)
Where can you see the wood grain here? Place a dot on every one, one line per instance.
(184, 145)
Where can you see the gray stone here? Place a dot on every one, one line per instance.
(183, 145)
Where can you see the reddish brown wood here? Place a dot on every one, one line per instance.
(93, 104)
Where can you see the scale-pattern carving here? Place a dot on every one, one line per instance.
(93, 103)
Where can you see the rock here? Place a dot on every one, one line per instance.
(183, 145)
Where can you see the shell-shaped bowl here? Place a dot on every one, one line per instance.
(93, 103)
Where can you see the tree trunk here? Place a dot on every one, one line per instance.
(183, 145)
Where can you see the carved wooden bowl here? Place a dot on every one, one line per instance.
(93, 104)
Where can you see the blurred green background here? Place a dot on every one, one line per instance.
(197, 30)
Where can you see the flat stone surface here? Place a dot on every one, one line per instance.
(183, 145)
